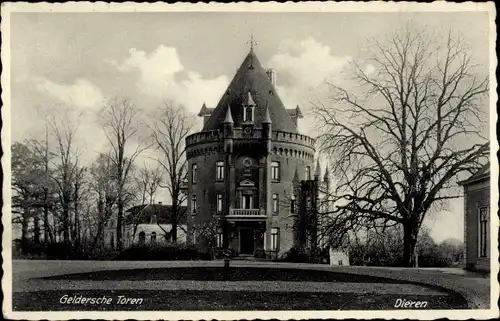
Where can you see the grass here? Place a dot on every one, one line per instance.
(216, 274)
(225, 300)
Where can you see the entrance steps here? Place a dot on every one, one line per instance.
(245, 257)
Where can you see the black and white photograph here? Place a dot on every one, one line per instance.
(249, 160)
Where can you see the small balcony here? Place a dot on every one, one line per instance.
(242, 213)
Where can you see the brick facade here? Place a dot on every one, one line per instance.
(255, 213)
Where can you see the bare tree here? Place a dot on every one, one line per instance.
(169, 130)
(398, 146)
(66, 168)
(120, 122)
(105, 187)
(26, 186)
(42, 149)
(148, 181)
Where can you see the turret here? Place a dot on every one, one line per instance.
(228, 131)
(267, 129)
(317, 173)
(296, 180)
(326, 178)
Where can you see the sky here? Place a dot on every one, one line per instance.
(75, 61)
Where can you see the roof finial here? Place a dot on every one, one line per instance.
(252, 42)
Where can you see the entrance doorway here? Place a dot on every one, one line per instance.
(246, 241)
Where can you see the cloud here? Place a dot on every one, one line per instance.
(82, 93)
(307, 63)
(303, 68)
(162, 75)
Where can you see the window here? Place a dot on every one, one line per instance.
(292, 204)
(220, 236)
(275, 171)
(340, 262)
(275, 203)
(275, 238)
(247, 201)
(308, 203)
(248, 115)
(219, 203)
(153, 219)
(195, 238)
(308, 173)
(194, 174)
(142, 238)
(193, 204)
(483, 232)
(153, 237)
(220, 171)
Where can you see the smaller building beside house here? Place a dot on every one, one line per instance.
(147, 224)
(477, 234)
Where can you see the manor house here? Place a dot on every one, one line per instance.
(245, 166)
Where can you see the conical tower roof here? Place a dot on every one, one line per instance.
(327, 174)
(251, 78)
(296, 179)
(229, 117)
(317, 173)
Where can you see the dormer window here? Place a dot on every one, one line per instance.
(248, 115)
(248, 106)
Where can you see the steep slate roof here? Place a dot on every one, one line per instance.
(251, 77)
(163, 214)
(482, 174)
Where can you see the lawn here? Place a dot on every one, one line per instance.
(217, 273)
(215, 299)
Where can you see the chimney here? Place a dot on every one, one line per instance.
(272, 76)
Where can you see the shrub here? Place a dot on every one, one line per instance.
(162, 252)
(295, 255)
(220, 253)
(260, 254)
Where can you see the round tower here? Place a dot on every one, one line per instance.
(242, 166)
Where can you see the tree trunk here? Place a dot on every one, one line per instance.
(45, 221)
(66, 223)
(174, 230)
(119, 223)
(36, 229)
(409, 242)
(24, 226)
(76, 227)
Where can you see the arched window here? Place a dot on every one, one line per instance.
(193, 204)
(194, 174)
(248, 115)
(142, 238)
(292, 204)
(153, 237)
(308, 173)
(219, 203)
(275, 171)
(275, 203)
